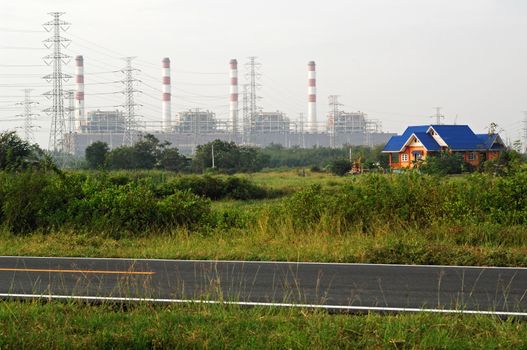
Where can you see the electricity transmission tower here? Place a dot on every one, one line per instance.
(439, 117)
(334, 114)
(253, 76)
(129, 105)
(56, 59)
(28, 116)
(246, 125)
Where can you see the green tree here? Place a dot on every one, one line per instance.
(96, 154)
(171, 159)
(228, 157)
(121, 158)
(16, 154)
(340, 166)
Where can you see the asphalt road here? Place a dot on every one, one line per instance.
(333, 286)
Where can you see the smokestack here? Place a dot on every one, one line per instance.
(234, 95)
(166, 101)
(311, 97)
(80, 118)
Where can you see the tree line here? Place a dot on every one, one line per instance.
(150, 153)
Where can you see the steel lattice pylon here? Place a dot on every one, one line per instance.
(131, 125)
(57, 110)
(28, 116)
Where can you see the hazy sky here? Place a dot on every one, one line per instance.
(394, 60)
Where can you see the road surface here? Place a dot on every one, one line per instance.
(351, 287)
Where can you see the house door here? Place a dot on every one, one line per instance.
(417, 155)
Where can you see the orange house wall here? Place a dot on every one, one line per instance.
(409, 163)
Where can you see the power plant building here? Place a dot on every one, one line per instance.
(196, 122)
(270, 122)
(104, 122)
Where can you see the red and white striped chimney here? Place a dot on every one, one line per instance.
(80, 118)
(311, 97)
(167, 97)
(234, 95)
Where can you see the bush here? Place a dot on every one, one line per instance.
(411, 200)
(443, 164)
(34, 199)
(215, 187)
(339, 167)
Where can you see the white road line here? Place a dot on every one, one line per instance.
(249, 303)
(267, 262)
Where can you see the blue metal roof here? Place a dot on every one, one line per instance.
(397, 142)
(491, 141)
(428, 141)
(459, 137)
(394, 144)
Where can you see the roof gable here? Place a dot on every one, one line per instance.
(459, 137)
(428, 141)
(396, 143)
(491, 141)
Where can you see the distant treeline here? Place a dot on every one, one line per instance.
(150, 153)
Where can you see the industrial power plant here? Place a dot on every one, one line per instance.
(74, 127)
(249, 125)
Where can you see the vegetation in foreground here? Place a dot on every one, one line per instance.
(33, 325)
(477, 219)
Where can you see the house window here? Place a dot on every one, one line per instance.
(404, 157)
(472, 156)
(395, 157)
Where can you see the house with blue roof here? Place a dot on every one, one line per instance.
(419, 142)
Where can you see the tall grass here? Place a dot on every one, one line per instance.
(53, 325)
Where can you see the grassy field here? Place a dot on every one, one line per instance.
(258, 238)
(53, 325)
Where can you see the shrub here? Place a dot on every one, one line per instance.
(215, 187)
(34, 199)
(339, 167)
(184, 208)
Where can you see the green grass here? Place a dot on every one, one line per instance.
(33, 325)
(291, 180)
(456, 245)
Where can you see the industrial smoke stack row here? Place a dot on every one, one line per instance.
(167, 95)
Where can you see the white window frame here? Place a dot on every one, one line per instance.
(472, 156)
(404, 157)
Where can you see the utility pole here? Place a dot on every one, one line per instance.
(28, 116)
(333, 116)
(253, 76)
(56, 59)
(129, 83)
(439, 117)
(213, 165)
